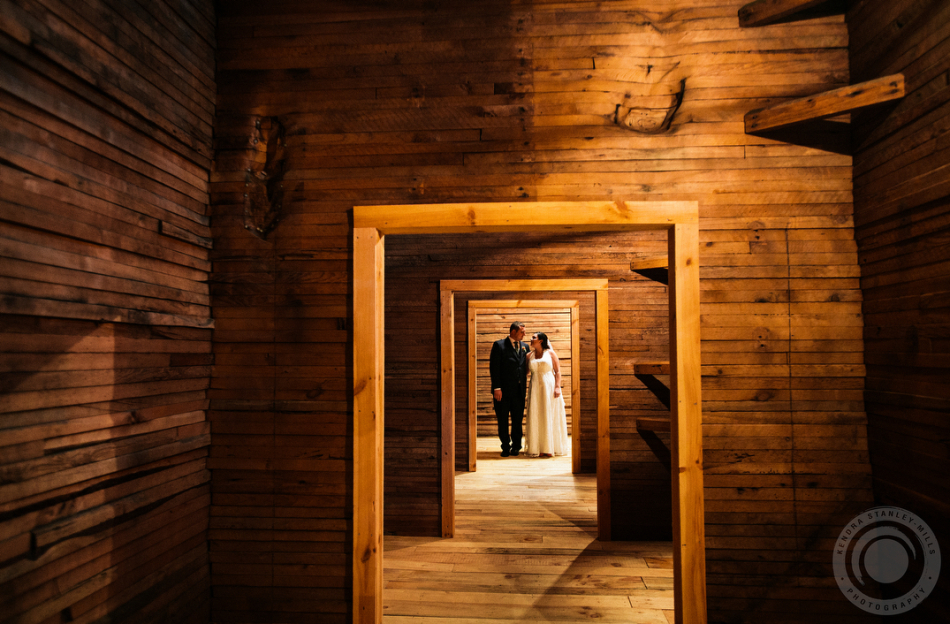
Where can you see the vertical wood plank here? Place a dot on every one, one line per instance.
(472, 387)
(447, 317)
(603, 417)
(686, 419)
(368, 427)
(575, 388)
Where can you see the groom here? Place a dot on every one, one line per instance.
(508, 365)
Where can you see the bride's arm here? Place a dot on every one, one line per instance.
(556, 363)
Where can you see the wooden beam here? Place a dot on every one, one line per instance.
(368, 392)
(489, 285)
(827, 104)
(603, 418)
(576, 388)
(660, 262)
(488, 304)
(447, 421)
(588, 216)
(689, 543)
(763, 12)
(472, 386)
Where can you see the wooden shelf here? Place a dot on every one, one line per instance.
(651, 368)
(764, 12)
(660, 262)
(656, 269)
(827, 104)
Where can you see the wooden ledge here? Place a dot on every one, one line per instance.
(660, 262)
(764, 12)
(828, 104)
(651, 368)
(653, 424)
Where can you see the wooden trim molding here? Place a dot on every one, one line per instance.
(680, 219)
(447, 411)
(482, 306)
(368, 427)
(603, 416)
(586, 216)
(689, 558)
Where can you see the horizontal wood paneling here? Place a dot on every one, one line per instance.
(500, 101)
(105, 319)
(902, 216)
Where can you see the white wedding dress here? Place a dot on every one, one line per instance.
(546, 425)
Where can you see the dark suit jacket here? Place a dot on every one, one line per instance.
(508, 371)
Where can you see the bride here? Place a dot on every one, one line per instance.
(546, 423)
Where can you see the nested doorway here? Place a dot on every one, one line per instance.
(373, 223)
(447, 289)
(487, 321)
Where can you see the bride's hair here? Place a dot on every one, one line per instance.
(544, 341)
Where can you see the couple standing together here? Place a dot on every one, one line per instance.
(508, 364)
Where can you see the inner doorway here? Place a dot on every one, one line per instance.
(598, 287)
(489, 319)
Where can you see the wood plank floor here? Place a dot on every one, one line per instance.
(526, 551)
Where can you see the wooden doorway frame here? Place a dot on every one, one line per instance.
(474, 305)
(370, 226)
(448, 289)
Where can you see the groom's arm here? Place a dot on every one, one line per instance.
(494, 366)
(494, 370)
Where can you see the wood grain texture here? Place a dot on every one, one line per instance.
(368, 425)
(686, 425)
(447, 411)
(828, 104)
(602, 327)
(509, 103)
(542, 562)
(902, 207)
(105, 320)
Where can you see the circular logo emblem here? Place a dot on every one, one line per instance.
(886, 560)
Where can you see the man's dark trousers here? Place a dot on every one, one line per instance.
(508, 366)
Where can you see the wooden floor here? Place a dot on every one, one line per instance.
(525, 551)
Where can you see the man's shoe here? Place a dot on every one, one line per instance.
(515, 453)
(505, 453)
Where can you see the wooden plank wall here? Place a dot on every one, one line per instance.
(555, 323)
(902, 224)
(105, 323)
(412, 439)
(505, 101)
